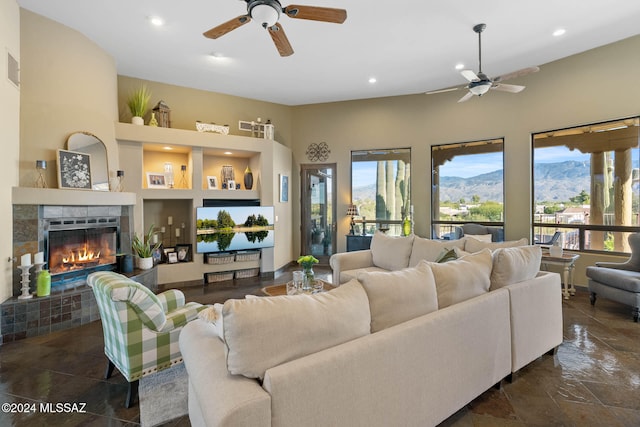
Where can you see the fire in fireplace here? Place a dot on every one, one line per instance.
(81, 244)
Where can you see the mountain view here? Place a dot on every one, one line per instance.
(555, 182)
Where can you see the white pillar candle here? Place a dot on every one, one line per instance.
(25, 259)
(163, 230)
(38, 258)
(170, 220)
(155, 239)
(177, 232)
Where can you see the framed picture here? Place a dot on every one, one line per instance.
(231, 184)
(184, 252)
(158, 255)
(74, 170)
(212, 182)
(284, 188)
(172, 257)
(156, 180)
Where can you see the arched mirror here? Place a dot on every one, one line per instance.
(85, 142)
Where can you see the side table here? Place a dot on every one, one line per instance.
(567, 262)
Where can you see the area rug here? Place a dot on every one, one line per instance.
(163, 396)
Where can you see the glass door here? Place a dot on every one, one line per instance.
(318, 229)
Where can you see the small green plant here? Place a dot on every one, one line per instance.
(139, 101)
(307, 261)
(142, 246)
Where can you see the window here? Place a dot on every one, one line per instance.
(585, 185)
(380, 188)
(467, 186)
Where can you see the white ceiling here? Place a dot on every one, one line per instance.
(409, 46)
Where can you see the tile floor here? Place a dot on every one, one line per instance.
(593, 380)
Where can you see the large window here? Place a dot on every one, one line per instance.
(380, 188)
(585, 185)
(467, 186)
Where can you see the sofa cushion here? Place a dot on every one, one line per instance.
(463, 278)
(429, 250)
(391, 253)
(397, 296)
(347, 275)
(480, 237)
(513, 265)
(474, 245)
(264, 332)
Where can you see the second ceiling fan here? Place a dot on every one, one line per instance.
(267, 13)
(479, 83)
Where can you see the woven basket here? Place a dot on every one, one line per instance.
(248, 256)
(247, 272)
(218, 276)
(218, 259)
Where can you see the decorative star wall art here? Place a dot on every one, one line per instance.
(318, 152)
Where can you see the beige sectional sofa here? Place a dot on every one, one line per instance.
(406, 347)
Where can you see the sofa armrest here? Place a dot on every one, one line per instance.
(171, 299)
(217, 398)
(349, 261)
(617, 265)
(536, 317)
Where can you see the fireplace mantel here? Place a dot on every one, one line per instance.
(57, 197)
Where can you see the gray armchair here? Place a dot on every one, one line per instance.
(497, 233)
(619, 282)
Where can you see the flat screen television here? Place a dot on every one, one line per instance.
(234, 228)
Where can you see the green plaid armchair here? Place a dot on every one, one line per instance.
(140, 329)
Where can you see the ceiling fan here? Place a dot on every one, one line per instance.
(479, 84)
(267, 13)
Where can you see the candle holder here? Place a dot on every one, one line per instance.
(120, 185)
(41, 166)
(183, 178)
(38, 269)
(25, 281)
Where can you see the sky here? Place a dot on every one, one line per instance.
(364, 173)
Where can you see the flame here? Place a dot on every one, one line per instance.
(81, 255)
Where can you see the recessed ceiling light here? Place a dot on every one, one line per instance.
(228, 152)
(216, 55)
(372, 80)
(459, 66)
(168, 148)
(156, 20)
(559, 32)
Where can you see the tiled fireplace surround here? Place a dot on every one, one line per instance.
(74, 306)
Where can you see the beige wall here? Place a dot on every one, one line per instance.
(188, 105)
(593, 86)
(10, 137)
(68, 85)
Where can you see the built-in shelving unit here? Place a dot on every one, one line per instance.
(144, 149)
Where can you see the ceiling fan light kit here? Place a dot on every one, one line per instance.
(479, 83)
(267, 14)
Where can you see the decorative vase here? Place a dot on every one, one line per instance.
(308, 279)
(153, 121)
(137, 120)
(145, 263)
(555, 250)
(43, 287)
(406, 226)
(248, 179)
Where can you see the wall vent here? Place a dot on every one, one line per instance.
(13, 70)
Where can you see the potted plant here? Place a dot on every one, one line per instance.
(143, 249)
(138, 103)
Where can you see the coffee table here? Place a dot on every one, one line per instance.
(281, 289)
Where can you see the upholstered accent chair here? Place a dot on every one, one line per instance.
(618, 281)
(140, 329)
(497, 233)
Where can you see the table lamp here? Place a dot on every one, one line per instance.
(352, 211)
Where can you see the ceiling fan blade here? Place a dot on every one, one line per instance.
(519, 73)
(280, 40)
(469, 75)
(228, 26)
(466, 97)
(451, 89)
(314, 13)
(507, 88)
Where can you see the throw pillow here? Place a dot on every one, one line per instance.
(429, 249)
(464, 278)
(213, 315)
(390, 253)
(474, 245)
(398, 296)
(264, 332)
(513, 265)
(480, 237)
(447, 255)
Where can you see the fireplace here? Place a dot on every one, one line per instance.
(79, 246)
